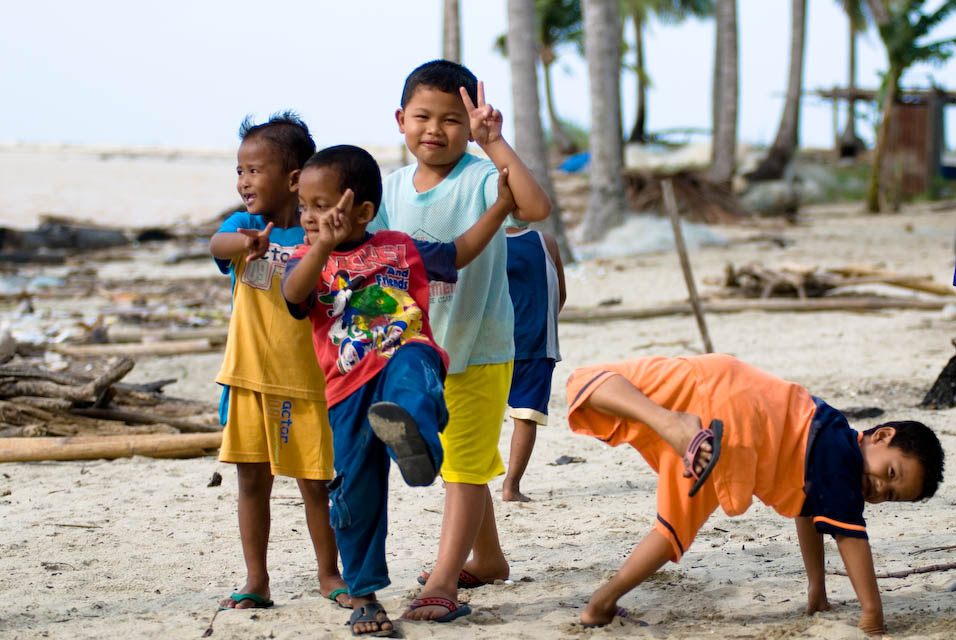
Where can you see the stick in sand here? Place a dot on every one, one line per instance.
(670, 203)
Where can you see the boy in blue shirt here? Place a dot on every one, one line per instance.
(273, 404)
(437, 198)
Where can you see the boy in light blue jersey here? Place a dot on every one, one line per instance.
(437, 198)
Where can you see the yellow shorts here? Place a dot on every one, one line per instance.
(291, 434)
(476, 400)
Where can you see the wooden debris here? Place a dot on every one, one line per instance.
(165, 348)
(830, 303)
(906, 572)
(109, 447)
(699, 199)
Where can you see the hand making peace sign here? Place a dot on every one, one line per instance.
(485, 120)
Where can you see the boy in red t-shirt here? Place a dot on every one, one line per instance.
(367, 297)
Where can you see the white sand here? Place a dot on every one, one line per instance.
(142, 548)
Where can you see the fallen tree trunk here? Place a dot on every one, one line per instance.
(600, 314)
(168, 348)
(108, 447)
(916, 283)
(141, 417)
(88, 392)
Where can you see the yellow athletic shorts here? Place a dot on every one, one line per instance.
(291, 434)
(476, 400)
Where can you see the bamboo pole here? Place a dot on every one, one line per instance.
(789, 305)
(191, 445)
(670, 203)
(167, 348)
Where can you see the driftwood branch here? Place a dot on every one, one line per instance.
(140, 417)
(601, 314)
(168, 348)
(89, 392)
(96, 447)
(907, 572)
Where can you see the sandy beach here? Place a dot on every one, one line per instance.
(138, 548)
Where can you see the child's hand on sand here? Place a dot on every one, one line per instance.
(485, 120)
(257, 242)
(505, 196)
(817, 600)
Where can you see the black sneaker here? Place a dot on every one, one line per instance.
(397, 429)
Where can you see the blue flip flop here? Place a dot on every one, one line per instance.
(455, 609)
(334, 597)
(258, 602)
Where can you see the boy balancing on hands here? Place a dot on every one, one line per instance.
(779, 443)
(436, 198)
(273, 401)
(367, 297)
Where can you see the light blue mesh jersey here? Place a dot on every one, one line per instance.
(472, 320)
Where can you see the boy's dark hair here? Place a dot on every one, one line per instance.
(917, 440)
(287, 134)
(356, 168)
(443, 75)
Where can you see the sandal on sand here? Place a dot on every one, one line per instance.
(714, 434)
(334, 597)
(455, 610)
(621, 613)
(258, 602)
(397, 429)
(370, 612)
(466, 580)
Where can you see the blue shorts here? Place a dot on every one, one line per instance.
(531, 390)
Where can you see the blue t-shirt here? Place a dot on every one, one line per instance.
(472, 320)
(834, 475)
(535, 295)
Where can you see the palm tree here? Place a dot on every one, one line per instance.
(451, 31)
(557, 23)
(667, 11)
(529, 136)
(903, 25)
(724, 138)
(602, 38)
(785, 143)
(850, 143)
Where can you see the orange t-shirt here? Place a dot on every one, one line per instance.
(766, 422)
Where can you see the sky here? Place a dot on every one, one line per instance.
(184, 73)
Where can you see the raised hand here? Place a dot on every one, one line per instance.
(484, 119)
(336, 225)
(257, 242)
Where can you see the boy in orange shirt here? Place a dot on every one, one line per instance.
(779, 443)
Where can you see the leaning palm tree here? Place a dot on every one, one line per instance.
(557, 23)
(602, 38)
(724, 146)
(784, 145)
(903, 27)
(451, 31)
(529, 135)
(639, 12)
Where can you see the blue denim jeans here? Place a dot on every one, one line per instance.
(359, 493)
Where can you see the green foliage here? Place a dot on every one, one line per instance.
(905, 32)
(579, 134)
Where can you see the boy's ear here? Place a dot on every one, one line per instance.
(294, 179)
(883, 434)
(400, 119)
(366, 213)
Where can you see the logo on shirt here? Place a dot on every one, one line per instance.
(260, 272)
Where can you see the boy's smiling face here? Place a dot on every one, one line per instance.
(262, 182)
(319, 193)
(889, 474)
(436, 127)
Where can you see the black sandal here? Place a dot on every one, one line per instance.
(370, 613)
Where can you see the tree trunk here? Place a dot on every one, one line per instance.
(529, 136)
(850, 143)
(639, 132)
(451, 31)
(882, 133)
(725, 127)
(561, 138)
(785, 143)
(602, 37)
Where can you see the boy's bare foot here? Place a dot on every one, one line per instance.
(511, 493)
(370, 618)
(251, 587)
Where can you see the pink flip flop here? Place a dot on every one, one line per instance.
(714, 434)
